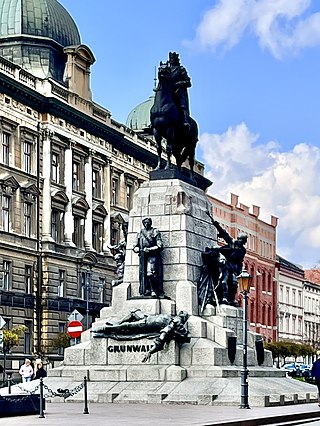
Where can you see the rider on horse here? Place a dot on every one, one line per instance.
(180, 82)
(170, 117)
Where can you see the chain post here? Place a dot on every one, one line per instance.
(9, 385)
(41, 415)
(85, 391)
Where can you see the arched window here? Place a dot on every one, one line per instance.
(263, 314)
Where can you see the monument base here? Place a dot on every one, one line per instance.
(205, 371)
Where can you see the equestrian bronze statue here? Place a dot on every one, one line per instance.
(170, 116)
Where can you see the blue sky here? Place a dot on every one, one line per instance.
(255, 70)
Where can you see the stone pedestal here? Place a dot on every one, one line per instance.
(181, 213)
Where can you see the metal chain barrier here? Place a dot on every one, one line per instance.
(29, 392)
(63, 393)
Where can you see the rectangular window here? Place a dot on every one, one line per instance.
(55, 168)
(101, 289)
(114, 197)
(114, 235)
(5, 148)
(6, 275)
(57, 225)
(54, 225)
(293, 297)
(96, 185)
(97, 236)
(6, 213)
(27, 219)
(28, 279)
(78, 234)
(294, 325)
(83, 285)
(27, 337)
(61, 284)
(7, 325)
(62, 330)
(129, 196)
(75, 176)
(27, 149)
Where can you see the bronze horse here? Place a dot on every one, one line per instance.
(167, 124)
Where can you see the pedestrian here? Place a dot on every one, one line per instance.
(26, 371)
(41, 372)
(315, 372)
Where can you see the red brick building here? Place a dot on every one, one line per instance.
(260, 260)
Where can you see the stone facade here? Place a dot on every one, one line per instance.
(68, 173)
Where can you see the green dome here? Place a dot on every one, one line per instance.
(139, 117)
(40, 18)
(33, 34)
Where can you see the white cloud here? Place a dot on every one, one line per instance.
(284, 184)
(281, 26)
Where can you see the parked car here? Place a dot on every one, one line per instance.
(306, 370)
(292, 369)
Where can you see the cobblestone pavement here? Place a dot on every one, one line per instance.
(70, 414)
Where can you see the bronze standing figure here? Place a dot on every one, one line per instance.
(149, 245)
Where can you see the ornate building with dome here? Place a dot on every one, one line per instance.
(68, 172)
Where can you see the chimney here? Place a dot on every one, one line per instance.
(255, 210)
(274, 221)
(234, 200)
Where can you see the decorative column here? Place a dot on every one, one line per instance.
(88, 191)
(69, 224)
(46, 194)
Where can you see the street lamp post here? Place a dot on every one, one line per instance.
(244, 280)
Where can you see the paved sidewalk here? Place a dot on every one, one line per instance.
(70, 414)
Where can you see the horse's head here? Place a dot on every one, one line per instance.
(164, 72)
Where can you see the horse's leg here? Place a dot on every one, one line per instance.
(179, 162)
(158, 139)
(169, 154)
(169, 139)
(191, 160)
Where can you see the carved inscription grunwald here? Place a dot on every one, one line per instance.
(128, 348)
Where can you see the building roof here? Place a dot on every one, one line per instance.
(285, 264)
(312, 275)
(39, 18)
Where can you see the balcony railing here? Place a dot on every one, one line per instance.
(17, 300)
(68, 305)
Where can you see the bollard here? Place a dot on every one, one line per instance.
(9, 385)
(85, 391)
(41, 415)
